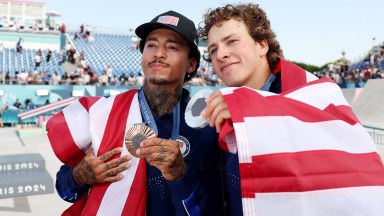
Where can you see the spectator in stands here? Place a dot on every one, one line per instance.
(19, 47)
(81, 29)
(73, 78)
(47, 102)
(67, 47)
(46, 78)
(86, 77)
(49, 54)
(26, 103)
(88, 68)
(91, 38)
(1, 77)
(16, 78)
(139, 79)
(131, 80)
(88, 30)
(103, 79)
(94, 77)
(71, 56)
(367, 72)
(83, 61)
(84, 36)
(123, 79)
(63, 29)
(39, 52)
(30, 78)
(7, 78)
(31, 105)
(38, 78)
(114, 80)
(17, 104)
(64, 78)
(55, 79)
(109, 72)
(37, 60)
(23, 77)
(175, 184)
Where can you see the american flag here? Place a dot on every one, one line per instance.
(101, 123)
(302, 152)
(170, 20)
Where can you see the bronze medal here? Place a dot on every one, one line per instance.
(135, 135)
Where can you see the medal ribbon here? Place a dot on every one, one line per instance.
(150, 121)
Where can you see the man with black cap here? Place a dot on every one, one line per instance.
(109, 170)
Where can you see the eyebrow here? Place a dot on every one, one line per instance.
(169, 40)
(224, 39)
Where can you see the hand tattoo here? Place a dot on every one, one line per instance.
(83, 173)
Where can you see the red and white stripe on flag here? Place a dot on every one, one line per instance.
(302, 152)
(100, 124)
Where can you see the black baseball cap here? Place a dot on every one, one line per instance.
(173, 21)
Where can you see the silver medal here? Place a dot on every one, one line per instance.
(194, 108)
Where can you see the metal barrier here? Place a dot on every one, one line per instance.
(377, 134)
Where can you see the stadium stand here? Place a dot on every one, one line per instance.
(118, 51)
(13, 62)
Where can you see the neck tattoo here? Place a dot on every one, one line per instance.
(160, 100)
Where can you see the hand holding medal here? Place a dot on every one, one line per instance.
(193, 116)
(136, 135)
(213, 112)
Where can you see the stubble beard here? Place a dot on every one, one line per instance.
(159, 81)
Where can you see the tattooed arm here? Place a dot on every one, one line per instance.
(72, 183)
(97, 170)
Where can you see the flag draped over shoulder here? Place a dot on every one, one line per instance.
(101, 123)
(302, 152)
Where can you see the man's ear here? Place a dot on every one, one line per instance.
(264, 47)
(192, 65)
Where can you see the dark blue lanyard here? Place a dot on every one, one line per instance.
(150, 121)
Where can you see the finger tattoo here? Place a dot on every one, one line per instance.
(160, 157)
(163, 149)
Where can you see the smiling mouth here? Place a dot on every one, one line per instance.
(227, 66)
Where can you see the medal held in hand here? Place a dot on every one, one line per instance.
(136, 135)
(194, 108)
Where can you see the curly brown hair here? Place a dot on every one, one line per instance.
(256, 21)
